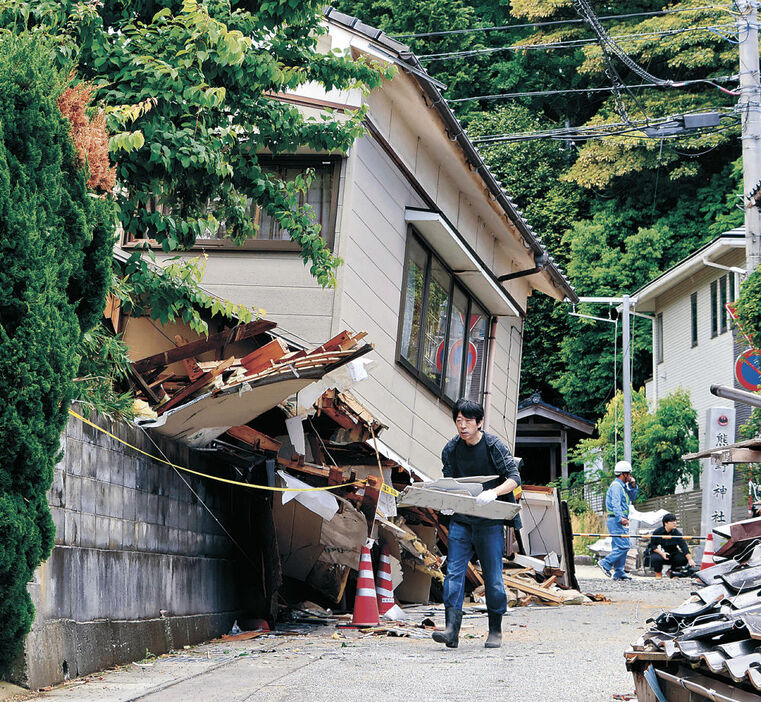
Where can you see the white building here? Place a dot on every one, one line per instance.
(425, 232)
(693, 340)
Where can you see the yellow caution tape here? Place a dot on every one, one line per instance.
(388, 489)
(206, 475)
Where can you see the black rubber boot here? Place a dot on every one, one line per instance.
(494, 640)
(451, 635)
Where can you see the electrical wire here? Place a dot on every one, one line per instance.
(551, 23)
(566, 91)
(595, 131)
(569, 43)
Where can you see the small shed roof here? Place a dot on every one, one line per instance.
(535, 406)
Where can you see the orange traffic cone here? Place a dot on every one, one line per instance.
(384, 588)
(365, 602)
(707, 561)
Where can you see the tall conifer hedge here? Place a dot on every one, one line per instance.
(55, 249)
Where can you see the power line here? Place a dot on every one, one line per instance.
(570, 43)
(546, 93)
(594, 131)
(551, 23)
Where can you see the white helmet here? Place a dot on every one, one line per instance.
(622, 467)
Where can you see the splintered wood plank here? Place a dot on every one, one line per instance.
(186, 392)
(194, 348)
(263, 357)
(190, 365)
(303, 468)
(549, 582)
(254, 438)
(150, 393)
(523, 586)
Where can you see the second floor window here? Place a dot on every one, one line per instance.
(321, 196)
(443, 334)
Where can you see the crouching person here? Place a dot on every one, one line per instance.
(672, 551)
(473, 452)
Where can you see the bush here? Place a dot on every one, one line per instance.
(55, 249)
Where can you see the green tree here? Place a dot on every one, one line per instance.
(55, 242)
(190, 95)
(659, 440)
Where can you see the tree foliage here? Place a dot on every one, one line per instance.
(659, 440)
(55, 243)
(748, 307)
(190, 92)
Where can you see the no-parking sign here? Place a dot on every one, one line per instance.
(748, 369)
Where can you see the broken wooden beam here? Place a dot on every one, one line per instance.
(254, 438)
(536, 590)
(213, 341)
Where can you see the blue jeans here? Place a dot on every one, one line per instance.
(617, 558)
(488, 542)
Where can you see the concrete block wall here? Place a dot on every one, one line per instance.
(133, 538)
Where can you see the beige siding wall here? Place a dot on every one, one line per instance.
(712, 360)
(370, 289)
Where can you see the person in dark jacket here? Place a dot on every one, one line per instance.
(673, 552)
(473, 452)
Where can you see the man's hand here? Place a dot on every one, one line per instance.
(486, 497)
(665, 556)
(624, 521)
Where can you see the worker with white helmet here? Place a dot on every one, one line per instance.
(620, 494)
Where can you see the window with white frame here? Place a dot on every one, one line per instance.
(443, 329)
(659, 337)
(694, 319)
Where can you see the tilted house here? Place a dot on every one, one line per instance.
(425, 232)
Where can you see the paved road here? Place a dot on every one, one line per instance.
(567, 654)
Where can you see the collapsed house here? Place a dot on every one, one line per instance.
(709, 648)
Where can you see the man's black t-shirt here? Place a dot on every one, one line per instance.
(471, 460)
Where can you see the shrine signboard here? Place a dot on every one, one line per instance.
(716, 479)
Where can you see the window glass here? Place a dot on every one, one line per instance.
(714, 302)
(476, 359)
(436, 312)
(443, 331)
(318, 195)
(723, 302)
(456, 342)
(694, 318)
(413, 302)
(732, 292)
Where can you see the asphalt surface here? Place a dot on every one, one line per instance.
(571, 653)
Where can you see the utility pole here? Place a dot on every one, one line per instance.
(626, 302)
(627, 381)
(750, 112)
